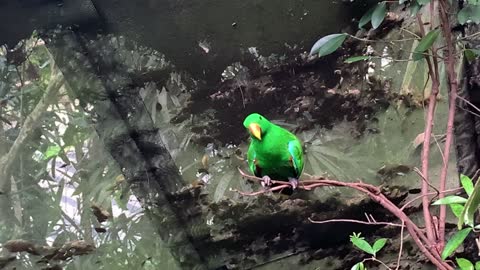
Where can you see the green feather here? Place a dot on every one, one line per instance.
(278, 154)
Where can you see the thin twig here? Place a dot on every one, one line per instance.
(376, 260)
(401, 247)
(356, 221)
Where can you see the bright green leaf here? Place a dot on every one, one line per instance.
(52, 151)
(359, 266)
(360, 243)
(425, 44)
(477, 266)
(469, 13)
(467, 184)
(471, 206)
(366, 17)
(356, 59)
(450, 200)
(378, 14)
(454, 242)
(379, 244)
(328, 44)
(457, 209)
(464, 264)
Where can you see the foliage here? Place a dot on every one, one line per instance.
(425, 44)
(64, 170)
(360, 243)
(464, 209)
(376, 15)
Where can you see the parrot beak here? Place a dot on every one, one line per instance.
(255, 130)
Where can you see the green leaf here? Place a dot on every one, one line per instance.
(425, 44)
(356, 59)
(471, 54)
(477, 266)
(360, 243)
(379, 14)
(52, 151)
(471, 206)
(359, 266)
(328, 44)
(469, 13)
(457, 209)
(379, 244)
(473, 2)
(423, 2)
(450, 200)
(366, 17)
(464, 264)
(467, 184)
(454, 242)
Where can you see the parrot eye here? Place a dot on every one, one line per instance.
(261, 118)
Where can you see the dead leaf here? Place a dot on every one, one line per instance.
(419, 140)
(101, 214)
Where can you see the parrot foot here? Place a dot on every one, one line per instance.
(293, 182)
(266, 181)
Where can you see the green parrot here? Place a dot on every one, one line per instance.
(274, 152)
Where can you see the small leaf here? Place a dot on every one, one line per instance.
(467, 184)
(471, 206)
(360, 243)
(425, 44)
(52, 151)
(328, 44)
(379, 244)
(419, 140)
(378, 14)
(359, 266)
(469, 55)
(469, 13)
(454, 242)
(464, 264)
(366, 17)
(477, 266)
(450, 200)
(457, 209)
(354, 59)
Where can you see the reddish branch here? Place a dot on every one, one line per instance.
(452, 78)
(376, 195)
(426, 143)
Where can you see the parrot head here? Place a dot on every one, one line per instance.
(257, 125)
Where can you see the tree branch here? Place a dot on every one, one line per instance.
(31, 122)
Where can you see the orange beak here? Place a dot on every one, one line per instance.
(255, 130)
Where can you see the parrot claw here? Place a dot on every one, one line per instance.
(266, 181)
(293, 182)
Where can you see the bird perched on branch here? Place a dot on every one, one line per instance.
(274, 152)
